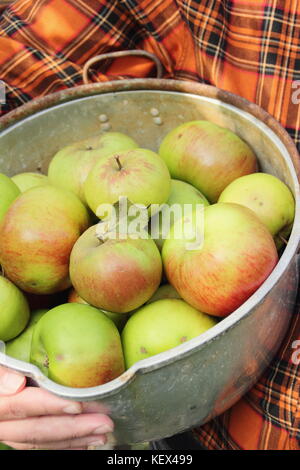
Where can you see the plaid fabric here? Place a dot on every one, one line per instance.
(251, 48)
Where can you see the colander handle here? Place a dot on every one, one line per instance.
(114, 55)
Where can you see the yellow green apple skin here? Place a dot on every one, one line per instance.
(14, 310)
(77, 346)
(26, 181)
(139, 174)
(36, 238)
(185, 193)
(20, 347)
(9, 191)
(270, 199)
(160, 326)
(237, 255)
(165, 291)
(119, 319)
(118, 275)
(207, 156)
(70, 167)
(181, 193)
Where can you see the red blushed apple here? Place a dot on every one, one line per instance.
(139, 174)
(207, 156)
(36, 238)
(117, 275)
(236, 257)
(70, 167)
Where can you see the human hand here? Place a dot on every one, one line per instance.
(32, 418)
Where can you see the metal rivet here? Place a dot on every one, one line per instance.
(103, 118)
(154, 111)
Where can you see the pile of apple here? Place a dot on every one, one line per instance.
(110, 302)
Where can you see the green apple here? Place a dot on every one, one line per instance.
(117, 275)
(77, 346)
(20, 347)
(14, 310)
(4, 447)
(119, 319)
(207, 156)
(70, 167)
(181, 193)
(237, 255)
(270, 199)
(185, 193)
(164, 292)
(29, 180)
(9, 191)
(36, 238)
(139, 174)
(160, 326)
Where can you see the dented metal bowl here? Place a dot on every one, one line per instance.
(192, 383)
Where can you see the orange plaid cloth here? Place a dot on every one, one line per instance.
(248, 47)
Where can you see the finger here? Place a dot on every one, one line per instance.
(33, 401)
(11, 382)
(17, 446)
(80, 443)
(54, 428)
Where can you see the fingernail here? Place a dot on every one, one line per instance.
(103, 429)
(98, 442)
(73, 409)
(10, 383)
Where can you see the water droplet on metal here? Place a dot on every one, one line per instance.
(103, 118)
(154, 111)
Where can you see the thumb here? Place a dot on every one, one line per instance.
(11, 382)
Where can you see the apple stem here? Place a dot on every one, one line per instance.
(100, 232)
(46, 362)
(283, 239)
(118, 162)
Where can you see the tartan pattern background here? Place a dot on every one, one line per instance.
(248, 47)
